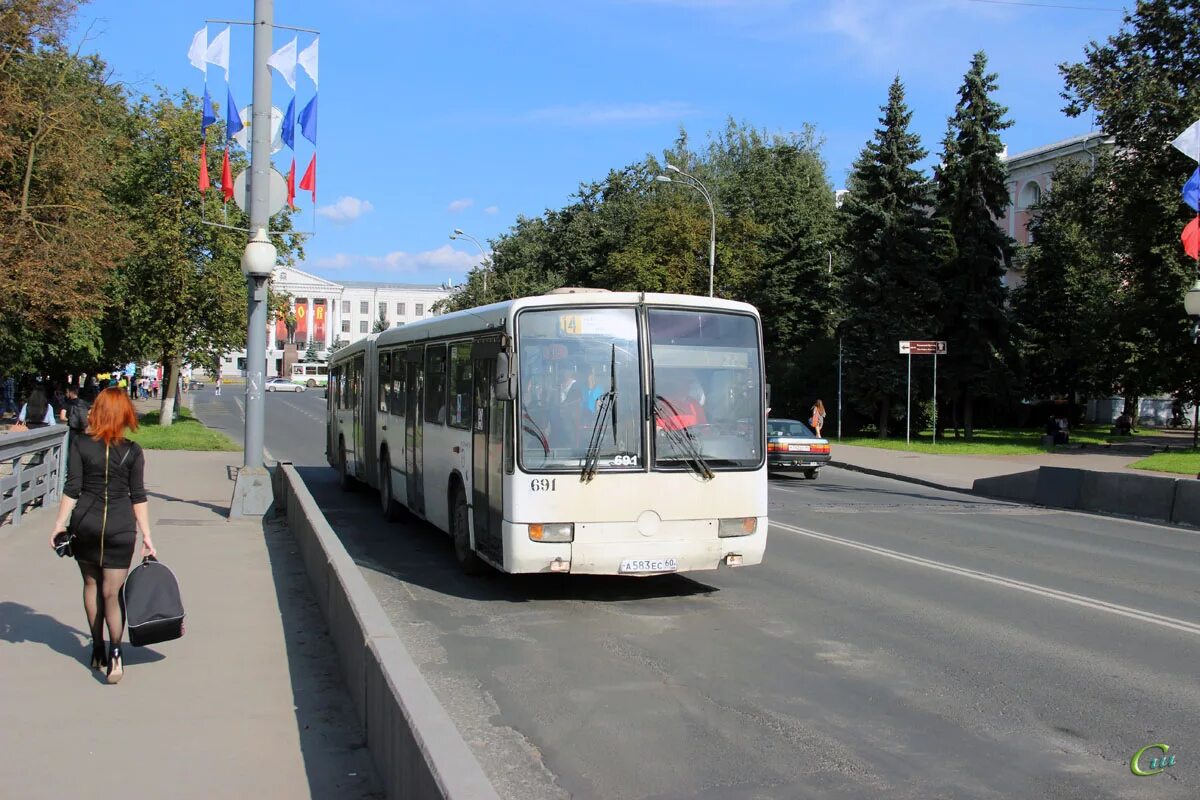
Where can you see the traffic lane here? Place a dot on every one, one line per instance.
(1078, 689)
(294, 421)
(767, 682)
(1150, 567)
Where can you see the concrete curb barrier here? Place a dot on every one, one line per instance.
(1133, 495)
(1186, 508)
(417, 750)
(1020, 487)
(883, 473)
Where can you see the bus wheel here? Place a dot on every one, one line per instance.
(460, 529)
(344, 479)
(391, 509)
(312, 384)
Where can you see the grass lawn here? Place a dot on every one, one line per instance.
(186, 433)
(993, 441)
(1186, 462)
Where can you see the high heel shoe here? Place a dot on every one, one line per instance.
(115, 668)
(99, 659)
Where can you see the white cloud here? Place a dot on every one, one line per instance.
(461, 204)
(613, 114)
(346, 209)
(492, 210)
(442, 258)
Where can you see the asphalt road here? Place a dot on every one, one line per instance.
(897, 642)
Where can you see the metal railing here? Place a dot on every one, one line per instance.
(33, 467)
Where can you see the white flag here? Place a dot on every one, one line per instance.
(308, 60)
(198, 48)
(283, 61)
(218, 52)
(1188, 142)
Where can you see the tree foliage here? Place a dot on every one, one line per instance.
(62, 135)
(974, 252)
(1141, 83)
(890, 290)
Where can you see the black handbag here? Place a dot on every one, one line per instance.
(152, 603)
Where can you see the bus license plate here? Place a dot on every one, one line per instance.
(798, 448)
(649, 565)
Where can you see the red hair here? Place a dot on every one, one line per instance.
(111, 415)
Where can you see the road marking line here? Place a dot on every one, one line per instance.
(999, 580)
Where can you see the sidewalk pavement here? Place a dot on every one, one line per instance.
(959, 472)
(248, 704)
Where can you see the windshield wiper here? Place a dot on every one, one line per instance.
(681, 437)
(606, 404)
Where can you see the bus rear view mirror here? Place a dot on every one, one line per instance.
(503, 381)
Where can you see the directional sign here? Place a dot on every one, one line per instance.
(929, 348)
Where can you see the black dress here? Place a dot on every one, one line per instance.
(104, 539)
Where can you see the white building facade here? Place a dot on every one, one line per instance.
(328, 312)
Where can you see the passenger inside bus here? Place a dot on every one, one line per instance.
(681, 401)
(566, 416)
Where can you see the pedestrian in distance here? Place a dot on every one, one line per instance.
(103, 508)
(36, 412)
(817, 417)
(218, 385)
(8, 394)
(74, 412)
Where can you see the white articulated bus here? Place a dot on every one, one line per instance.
(581, 431)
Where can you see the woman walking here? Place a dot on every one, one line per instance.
(817, 420)
(105, 503)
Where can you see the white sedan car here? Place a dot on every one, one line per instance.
(283, 385)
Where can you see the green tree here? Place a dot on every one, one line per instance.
(62, 135)
(311, 353)
(381, 324)
(890, 291)
(974, 252)
(181, 292)
(1141, 83)
(1065, 308)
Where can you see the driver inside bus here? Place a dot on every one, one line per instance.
(681, 409)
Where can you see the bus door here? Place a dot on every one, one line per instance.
(414, 382)
(487, 452)
(360, 417)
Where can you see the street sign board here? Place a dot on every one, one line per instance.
(922, 348)
(276, 191)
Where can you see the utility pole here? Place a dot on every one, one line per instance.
(252, 490)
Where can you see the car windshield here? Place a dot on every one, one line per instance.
(571, 359)
(708, 387)
(787, 427)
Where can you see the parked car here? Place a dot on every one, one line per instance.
(791, 445)
(283, 385)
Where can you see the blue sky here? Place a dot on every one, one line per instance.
(466, 113)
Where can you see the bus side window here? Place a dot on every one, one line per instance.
(435, 384)
(460, 385)
(385, 381)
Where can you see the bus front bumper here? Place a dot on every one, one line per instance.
(620, 548)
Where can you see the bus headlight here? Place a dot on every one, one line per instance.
(737, 526)
(552, 531)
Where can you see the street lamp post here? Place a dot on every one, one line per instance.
(458, 234)
(252, 489)
(696, 184)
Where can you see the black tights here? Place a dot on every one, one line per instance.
(101, 601)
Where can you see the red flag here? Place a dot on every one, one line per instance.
(1191, 238)
(291, 185)
(309, 181)
(226, 178)
(203, 167)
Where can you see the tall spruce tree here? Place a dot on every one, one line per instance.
(890, 291)
(1142, 85)
(973, 251)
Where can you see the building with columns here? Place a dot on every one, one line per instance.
(328, 312)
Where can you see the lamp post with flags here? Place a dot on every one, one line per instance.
(695, 183)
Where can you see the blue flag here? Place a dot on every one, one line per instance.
(233, 120)
(207, 115)
(1191, 191)
(288, 130)
(308, 120)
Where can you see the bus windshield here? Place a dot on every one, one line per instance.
(707, 389)
(580, 389)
